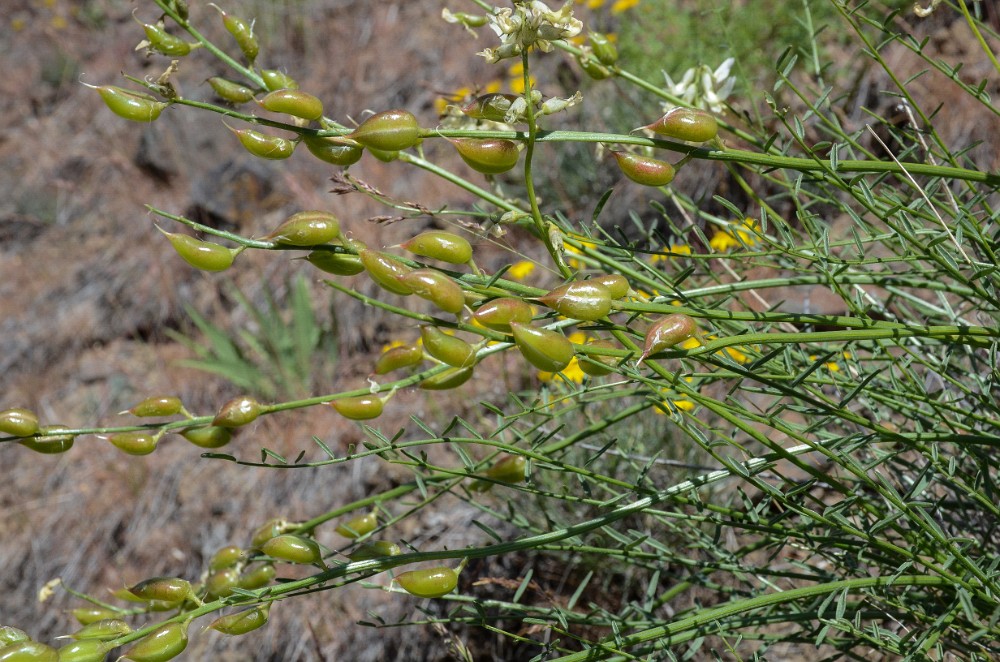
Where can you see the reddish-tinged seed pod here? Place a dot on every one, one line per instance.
(164, 643)
(617, 284)
(440, 245)
(229, 91)
(604, 49)
(389, 131)
(84, 651)
(221, 583)
(11, 635)
(385, 270)
(23, 651)
(243, 621)
(243, 34)
(333, 152)
(277, 80)
(585, 300)
(157, 405)
(395, 358)
(162, 41)
(131, 105)
(437, 288)
(293, 102)
(448, 349)
(489, 156)
(268, 530)
(165, 589)
(92, 614)
(491, 107)
(293, 549)
(306, 228)
(429, 583)
(547, 350)
(667, 332)
(448, 379)
(340, 264)
(134, 443)
(263, 145)
(690, 124)
(199, 254)
(18, 422)
(604, 364)
(227, 557)
(259, 577)
(499, 313)
(359, 408)
(645, 170)
(593, 67)
(210, 436)
(237, 412)
(49, 442)
(358, 526)
(375, 549)
(104, 630)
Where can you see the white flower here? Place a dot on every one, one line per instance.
(703, 88)
(530, 24)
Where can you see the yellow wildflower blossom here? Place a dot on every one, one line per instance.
(830, 365)
(679, 401)
(725, 239)
(571, 372)
(674, 250)
(521, 270)
(623, 6)
(515, 72)
(731, 352)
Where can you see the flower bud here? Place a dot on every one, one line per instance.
(263, 145)
(229, 91)
(386, 270)
(585, 300)
(162, 41)
(429, 583)
(165, 589)
(210, 436)
(604, 364)
(199, 254)
(359, 408)
(134, 443)
(18, 422)
(243, 34)
(645, 170)
(389, 131)
(395, 358)
(131, 105)
(437, 288)
(293, 102)
(221, 583)
(448, 349)
(448, 379)
(547, 350)
(690, 124)
(489, 156)
(103, 630)
(92, 614)
(499, 313)
(333, 152)
(603, 48)
(375, 549)
(90, 650)
(440, 245)
(26, 650)
(277, 80)
(491, 107)
(667, 332)
(306, 228)
(164, 643)
(48, 441)
(237, 412)
(358, 526)
(243, 621)
(259, 577)
(293, 549)
(11, 635)
(157, 405)
(339, 264)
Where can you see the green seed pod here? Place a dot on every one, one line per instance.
(134, 443)
(277, 80)
(690, 124)
(336, 153)
(90, 650)
(210, 436)
(293, 102)
(499, 313)
(11, 635)
(616, 284)
(604, 49)
(385, 156)
(359, 408)
(229, 91)
(395, 358)
(667, 332)
(429, 583)
(199, 254)
(607, 363)
(164, 643)
(92, 614)
(18, 422)
(449, 349)
(437, 288)
(28, 650)
(593, 67)
(163, 42)
(306, 228)
(547, 350)
(227, 557)
(259, 577)
(131, 105)
(385, 270)
(448, 379)
(645, 170)
(237, 412)
(158, 405)
(103, 630)
(375, 549)
(509, 469)
(389, 131)
(221, 583)
(491, 107)
(243, 621)
(489, 156)
(165, 589)
(263, 145)
(358, 526)
(268, 530)
(340, 264)
(243, 34)
(125, 595)
(440, 245)
(585, 300)
(293, 549)
(48, 442)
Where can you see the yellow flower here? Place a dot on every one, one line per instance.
(573, 262)
(830, 365)
(458, 96)
(623, 5)
(723, 240)
(516, 74)
(731, 352)
(521, 270)
(674, 250)
(680, 402)
(572, 372)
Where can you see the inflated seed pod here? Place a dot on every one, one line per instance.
(92, 614)
(125, 595)
(396, 358)
(210, 436)
(604, 364)
(360, 407)
(586, 300)
(440, 245)
(221, 583)
(11, 635)
(489, 156)
(306, 228)
(293, 102)
(48, 441)
(333, 152)
(199, 254)
(492, 107)
(263, 145)
(593, 67)
(499, 313)
(384, 155)
(269, 529)
(164, 643)
(375, 549)
(690, 124)
(157, 405)
(645, 170)
(243, 34)
(165, 589)
(437, 288)
(242, 622)
(293, 549)
(162, 41)
(448, 349)
(604, 49)
(90, 650)
(278, 80)
(131, 105)
(667, 332)
(340, 264)
(258, 577)
(104, 630)
(226, 557)
(23, 651)
(237, 412)
(385, 270)
(18, 422)
(509, 469)
(134, 443)
(229, 91)
(358, 526)
(617, 284)
(547, 350)
(448, 379)
(389, 131)
(429, 583)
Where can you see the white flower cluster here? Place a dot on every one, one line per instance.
(701, 87)
(530, 25)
